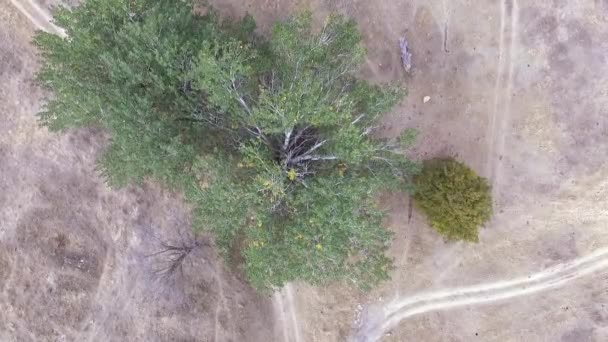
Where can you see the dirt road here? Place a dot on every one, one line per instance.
(503, 91)
(376, 323)
(285, 315)
(38, 16)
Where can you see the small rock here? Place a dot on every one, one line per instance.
(406, 55)
(426, 99)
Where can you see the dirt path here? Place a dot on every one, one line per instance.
(376, 324)
(38, 16)
(503, 90)
(285, 314)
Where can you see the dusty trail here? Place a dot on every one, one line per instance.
(375, 324)
(285, 314)
(38, 16)
(503, 90)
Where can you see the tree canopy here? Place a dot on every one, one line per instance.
(271, 138)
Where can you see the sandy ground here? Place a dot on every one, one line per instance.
(518, 91)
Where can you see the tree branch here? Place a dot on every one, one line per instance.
(287, 136)
(312, 158)
(307, 153)
(357, 119)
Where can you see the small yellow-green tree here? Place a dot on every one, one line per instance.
(455, 199)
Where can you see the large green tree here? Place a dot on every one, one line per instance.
(272, 139)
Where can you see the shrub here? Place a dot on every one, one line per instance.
(455, 199)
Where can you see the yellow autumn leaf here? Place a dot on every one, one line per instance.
(341, 169)
(291, 174)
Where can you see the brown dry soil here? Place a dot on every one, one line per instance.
(518, 91)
